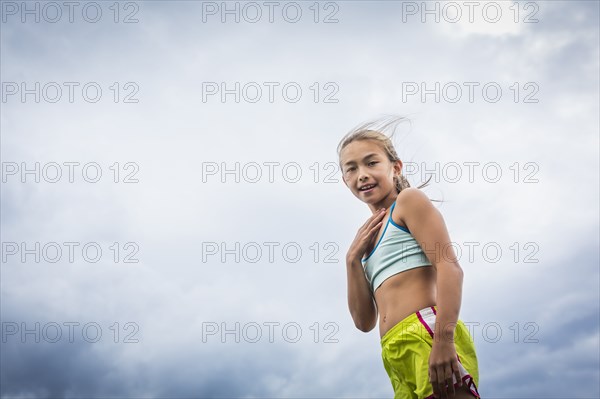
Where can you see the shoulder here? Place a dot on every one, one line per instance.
(412, 197)
(412, 202)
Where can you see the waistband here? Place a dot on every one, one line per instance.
(408, 320)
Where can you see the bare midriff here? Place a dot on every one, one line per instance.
(404, 293)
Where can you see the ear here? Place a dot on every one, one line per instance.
(398, 166)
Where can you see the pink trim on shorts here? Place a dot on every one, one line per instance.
(424, 324)
(467, 378)
(468, 381)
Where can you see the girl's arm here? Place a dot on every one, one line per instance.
(427, 225)
(360, 300)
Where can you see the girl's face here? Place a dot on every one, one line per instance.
(364, 163)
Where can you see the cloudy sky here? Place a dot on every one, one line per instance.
(173, 223)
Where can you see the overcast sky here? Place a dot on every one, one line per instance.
(195, 148)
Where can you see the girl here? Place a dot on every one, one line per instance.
(401, 265)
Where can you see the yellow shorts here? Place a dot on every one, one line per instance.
(405, 350)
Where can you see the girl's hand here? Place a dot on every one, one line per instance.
(366, 234)
(443, 363)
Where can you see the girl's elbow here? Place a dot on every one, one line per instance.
(450, 266)
(365, 325)
(458, 269)
(364, 329)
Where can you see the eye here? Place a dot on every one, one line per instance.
(372, 162)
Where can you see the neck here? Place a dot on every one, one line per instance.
(384, 203)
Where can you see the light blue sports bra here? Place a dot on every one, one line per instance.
(395, 252)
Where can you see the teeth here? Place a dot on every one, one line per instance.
(367, 187)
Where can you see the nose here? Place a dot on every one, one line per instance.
(362, 176)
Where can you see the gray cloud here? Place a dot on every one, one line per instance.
(172, 293)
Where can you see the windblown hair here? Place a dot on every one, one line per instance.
(373, 130)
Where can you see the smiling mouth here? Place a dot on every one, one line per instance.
(368, 189)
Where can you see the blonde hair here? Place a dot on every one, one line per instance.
(373, 131)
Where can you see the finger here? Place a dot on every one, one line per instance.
(377, 215)
(448, 377)
(433, 381)
(372, 234)
(456, 369)
(442, 381)
(374, 223)
(437, 383)
(372, 219)
(444, 389)
(376, 228)
(377, 220)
